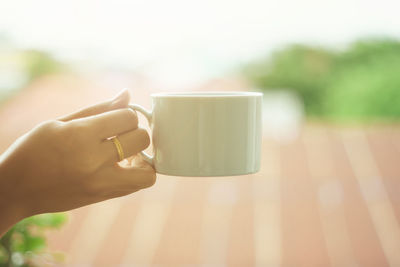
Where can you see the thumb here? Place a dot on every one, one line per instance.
(121, 100)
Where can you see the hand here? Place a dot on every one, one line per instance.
(68, 163)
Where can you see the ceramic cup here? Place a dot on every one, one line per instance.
(205, 134)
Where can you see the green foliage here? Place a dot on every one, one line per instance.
(361, 82)
(26, 240)
(298, 67)
(21, 67)
(366, 82)
(39, 63)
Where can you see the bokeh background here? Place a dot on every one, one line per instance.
(328, 193)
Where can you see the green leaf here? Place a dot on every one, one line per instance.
(50, 220)
(34, 243)
(28, 235)
(3, 255)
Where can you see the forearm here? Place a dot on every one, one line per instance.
(11, 208)
(8, 216)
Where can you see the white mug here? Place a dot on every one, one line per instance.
(205, 134)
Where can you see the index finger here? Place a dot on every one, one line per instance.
(111, 123)
(120, 101)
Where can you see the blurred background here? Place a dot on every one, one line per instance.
(328, 192)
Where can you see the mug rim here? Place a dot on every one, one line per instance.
(207, 94)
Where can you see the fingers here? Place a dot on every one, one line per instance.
(127, 180)
(109, 124)
(120, 101)
(132, 142)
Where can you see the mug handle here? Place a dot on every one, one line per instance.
(148, 114)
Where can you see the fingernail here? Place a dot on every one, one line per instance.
(120, 94)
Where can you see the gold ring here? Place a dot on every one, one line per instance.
(118, 145)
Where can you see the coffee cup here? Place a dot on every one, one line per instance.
(205, 133)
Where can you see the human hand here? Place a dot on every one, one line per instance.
(68, 163)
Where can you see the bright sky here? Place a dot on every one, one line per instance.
(196, 39)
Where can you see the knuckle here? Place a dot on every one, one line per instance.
(143, 137)
(150, 179)
(52, 133)
(50, 126)
(130, 115)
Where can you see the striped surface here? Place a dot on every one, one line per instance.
(329, 198)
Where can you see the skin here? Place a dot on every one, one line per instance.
(68, 163)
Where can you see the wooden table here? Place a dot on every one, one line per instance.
(331, 197)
